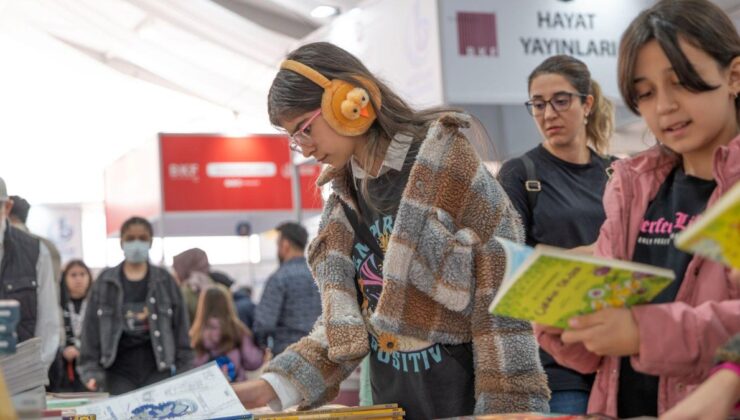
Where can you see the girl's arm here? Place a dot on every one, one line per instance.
(252, 356)
(676, 339)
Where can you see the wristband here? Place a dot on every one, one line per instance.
(726, 365)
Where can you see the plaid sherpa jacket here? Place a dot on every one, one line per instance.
(441, 270)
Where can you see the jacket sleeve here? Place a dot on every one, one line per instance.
(89, 362)
(307, 366)
(180, 327)
(268, 310)
(689, 336)
(508, 373)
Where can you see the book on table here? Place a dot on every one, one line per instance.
(550, 285)
(716, 233)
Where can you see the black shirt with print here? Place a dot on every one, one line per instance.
(135, 357)
(679, 200)
(431, 382)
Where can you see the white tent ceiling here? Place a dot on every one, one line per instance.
(84, 81)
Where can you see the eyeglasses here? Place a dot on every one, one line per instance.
(300, 138)
(560, 102)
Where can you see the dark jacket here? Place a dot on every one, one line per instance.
(289, 306)
(103, 324)
(18, 277)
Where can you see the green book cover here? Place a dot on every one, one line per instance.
(550, 285)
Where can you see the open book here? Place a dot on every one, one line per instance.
(716, 234)
(550, 285)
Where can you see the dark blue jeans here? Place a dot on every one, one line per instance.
(569, 402)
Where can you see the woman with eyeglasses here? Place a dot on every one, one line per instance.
(405, 258)
(557, 187)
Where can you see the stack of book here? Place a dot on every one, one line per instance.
(9, 316)
(378, 412)
(25, 376)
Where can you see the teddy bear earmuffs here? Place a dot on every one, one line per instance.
(345, 107)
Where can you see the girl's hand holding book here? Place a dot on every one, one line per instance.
(608, 332)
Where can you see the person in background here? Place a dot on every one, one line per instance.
(290, 302)
(135, 330)
(679, 69)
(192, 270)
(560, 201)
(218, 334)
(405, 259)
(245, 307)
(26, 275)
(18, 217)
(76, 281)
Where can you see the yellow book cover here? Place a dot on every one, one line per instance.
(374, 411)
(550, 285)
(716, 233)
(6, 406)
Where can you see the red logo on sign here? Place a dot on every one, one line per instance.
(476, 33)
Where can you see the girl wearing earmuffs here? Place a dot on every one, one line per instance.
(405, 258)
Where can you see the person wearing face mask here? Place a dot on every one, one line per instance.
(290, 303)
(26, 275)
(135, 330)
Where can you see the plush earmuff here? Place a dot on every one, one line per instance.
(345, 107)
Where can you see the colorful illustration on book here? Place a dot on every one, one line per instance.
(618, 291)
(165, 410)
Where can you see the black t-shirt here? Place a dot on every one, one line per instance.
(678, 201)
(568, 213)
(428, 380)
(135, 356)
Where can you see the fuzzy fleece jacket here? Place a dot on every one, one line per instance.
(442, 268)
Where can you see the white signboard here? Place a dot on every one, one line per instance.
(61, 224)
(398, 40)
(489, 47)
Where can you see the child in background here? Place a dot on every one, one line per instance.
(218, 334)
(75, 285)
(679, 68)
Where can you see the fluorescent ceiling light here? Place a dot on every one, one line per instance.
(324, 11)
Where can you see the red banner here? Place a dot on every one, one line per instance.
(202, 172)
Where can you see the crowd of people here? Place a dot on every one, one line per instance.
(405, 263)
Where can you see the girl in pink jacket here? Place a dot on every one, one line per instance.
(679, 68)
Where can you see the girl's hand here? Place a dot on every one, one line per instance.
(608, 332)
(255, 393)
(548, 329)
(92, 385)
(70, 353)
(735, 276)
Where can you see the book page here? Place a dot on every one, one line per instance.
(201, 393)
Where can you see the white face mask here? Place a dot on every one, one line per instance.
(136, 251)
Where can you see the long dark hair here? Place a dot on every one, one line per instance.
(216, 302)
(601, 119)
(64, 296)
(292, 95)
(699, 22)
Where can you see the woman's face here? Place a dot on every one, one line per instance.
(684, 121)
(77, 281)
(563, 128)
(327, 146)
(212, 333)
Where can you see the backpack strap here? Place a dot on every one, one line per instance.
(362, 230)
(531, 184)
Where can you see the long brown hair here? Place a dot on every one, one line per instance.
(601, 119)
(698, 22)
(216, 302)
(292, 95)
